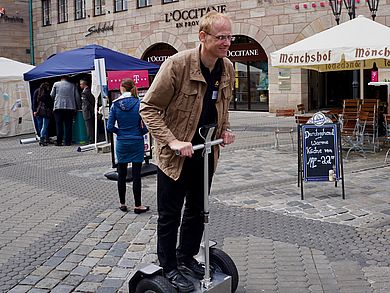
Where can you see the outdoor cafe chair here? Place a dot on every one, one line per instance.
(354, 140)
(284, 125)
(349, 115)
(386, 139)
(371, 106)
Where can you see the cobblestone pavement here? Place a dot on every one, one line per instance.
(61, 230)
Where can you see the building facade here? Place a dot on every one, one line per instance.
(155, 29)
(14, 30)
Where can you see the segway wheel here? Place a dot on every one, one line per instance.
(222, 263)
(155, 284)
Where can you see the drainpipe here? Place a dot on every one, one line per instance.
(31, 33)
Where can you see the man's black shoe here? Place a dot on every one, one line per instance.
(180, 282)
(192, 267)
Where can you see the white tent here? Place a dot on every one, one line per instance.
(355, 44)
(15, 113)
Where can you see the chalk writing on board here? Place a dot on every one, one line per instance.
(320, 155)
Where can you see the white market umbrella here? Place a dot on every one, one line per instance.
(355, 44)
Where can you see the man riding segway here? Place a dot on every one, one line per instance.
(193, 88)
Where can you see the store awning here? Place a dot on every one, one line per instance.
(355, 44)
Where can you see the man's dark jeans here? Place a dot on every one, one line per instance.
(170, 200)
(64, 117)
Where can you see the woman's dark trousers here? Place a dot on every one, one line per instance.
(136, 173)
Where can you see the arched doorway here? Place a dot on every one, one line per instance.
(251, 66)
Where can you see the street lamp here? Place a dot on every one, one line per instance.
(351, 7)
(336, 6)
(373, 6)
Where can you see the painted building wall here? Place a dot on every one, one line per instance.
(14, 30)
(272, 23)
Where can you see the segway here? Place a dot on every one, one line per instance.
(149, 278)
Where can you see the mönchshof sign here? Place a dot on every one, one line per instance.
(355, 44)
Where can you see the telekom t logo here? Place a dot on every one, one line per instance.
(136, 78)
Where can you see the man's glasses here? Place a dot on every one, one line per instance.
(223, 38)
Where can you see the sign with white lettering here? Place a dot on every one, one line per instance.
(320, 153)
(251, 51)
(140, 78)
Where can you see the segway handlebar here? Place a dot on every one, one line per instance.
(202, 145)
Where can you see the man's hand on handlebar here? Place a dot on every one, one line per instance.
(183, 148)
(228, 137)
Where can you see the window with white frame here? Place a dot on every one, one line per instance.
(79, 7)
(46, 12)
(99, 7)
(169, 1)
(120, 5)
(62, 11)
(143, 3)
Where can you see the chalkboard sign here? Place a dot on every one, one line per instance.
(320, 152)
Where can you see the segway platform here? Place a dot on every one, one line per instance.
(220, 283)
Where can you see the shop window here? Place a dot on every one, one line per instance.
(99, 7)
(62, 11)
(120, 5)
(143, 3)
(79, 9)
(251, 70)
(46, 12)
(169, 1)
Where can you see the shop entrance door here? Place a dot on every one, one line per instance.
(251, 75)
(327, 90)
(241, 92)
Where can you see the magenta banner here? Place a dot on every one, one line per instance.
(115, 78)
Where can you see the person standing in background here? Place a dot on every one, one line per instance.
(38, 119)
(88, 107)
(43, 110)
(66, 102)
(129, 142)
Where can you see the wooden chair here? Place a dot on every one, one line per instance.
(349, 115)
(282, 127)
(302, 119)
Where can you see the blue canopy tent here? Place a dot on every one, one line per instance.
(82, 60)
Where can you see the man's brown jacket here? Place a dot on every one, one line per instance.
(172, 106)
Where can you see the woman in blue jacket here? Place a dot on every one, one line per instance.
(125, 121)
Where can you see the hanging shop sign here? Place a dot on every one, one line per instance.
(100, 28)
(157, 56)
(190, 17)
(246, 52)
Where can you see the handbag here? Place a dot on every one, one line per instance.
(44, 111)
